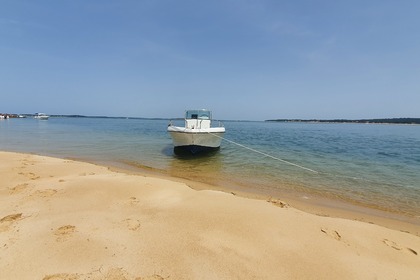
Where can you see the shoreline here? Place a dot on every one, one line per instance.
(310, 203)
(67, 219)
(314, 204)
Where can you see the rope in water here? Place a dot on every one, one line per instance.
(299, 166)
(294, 164)
(265, 154)
(291, 163)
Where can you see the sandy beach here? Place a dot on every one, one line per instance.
(63, 219)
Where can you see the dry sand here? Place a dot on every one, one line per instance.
(62, 219)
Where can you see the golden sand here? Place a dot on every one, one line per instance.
(63, 219)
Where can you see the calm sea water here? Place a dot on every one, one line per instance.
(366, 164)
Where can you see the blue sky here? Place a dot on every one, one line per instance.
(246, 60)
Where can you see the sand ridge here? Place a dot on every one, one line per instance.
(62, 219)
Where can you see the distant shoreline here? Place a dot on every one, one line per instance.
(79, 116)
(367, 121)
(359, 121)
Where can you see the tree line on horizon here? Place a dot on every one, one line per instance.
(384, 121)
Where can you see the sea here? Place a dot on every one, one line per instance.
(376, 166)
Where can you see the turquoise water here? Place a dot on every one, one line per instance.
(366, 164)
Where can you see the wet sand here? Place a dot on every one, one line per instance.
(63, 219)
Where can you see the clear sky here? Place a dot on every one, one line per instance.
(243, 59)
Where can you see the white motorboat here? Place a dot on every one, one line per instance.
(197, 135)
(41, 116)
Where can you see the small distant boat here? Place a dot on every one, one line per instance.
(197, 135)
(41, 116)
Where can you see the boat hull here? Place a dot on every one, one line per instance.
(194, 150)
(196, 140)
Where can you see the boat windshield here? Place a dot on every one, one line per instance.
(198, 114)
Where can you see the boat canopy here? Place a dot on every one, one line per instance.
(202, 114)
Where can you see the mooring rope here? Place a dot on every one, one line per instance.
(265, 154)
(297, 165)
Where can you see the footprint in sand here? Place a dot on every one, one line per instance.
(11, 218)
(332, 233)
(64, 232)
(278, 203)
(153, 277)
(45, 193)
(28, 161)
(62, 276)
(19, 188)
(30, 175)
(396, 246)
(132, 224)
(134, 201)
(8, 220)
